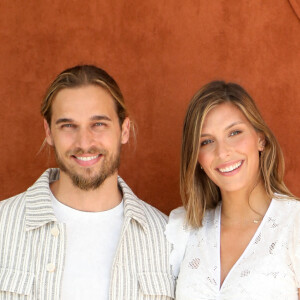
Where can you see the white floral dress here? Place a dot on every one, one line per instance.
(269, 268)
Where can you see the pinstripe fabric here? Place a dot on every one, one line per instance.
(32, 256)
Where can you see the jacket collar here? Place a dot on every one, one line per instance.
(133, 206)
(39, 210)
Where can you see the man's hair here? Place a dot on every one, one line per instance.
(198, 191)
(79, 76)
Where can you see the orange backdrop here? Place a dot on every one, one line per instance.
(160, 53)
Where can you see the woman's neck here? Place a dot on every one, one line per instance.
(245, 206)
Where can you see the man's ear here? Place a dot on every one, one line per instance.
(125, 131)
(49, 138)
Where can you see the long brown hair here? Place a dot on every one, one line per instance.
(198, 191)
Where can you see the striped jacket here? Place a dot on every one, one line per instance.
(32, 248)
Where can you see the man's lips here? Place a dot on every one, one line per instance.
(230, 168)
(87, 160)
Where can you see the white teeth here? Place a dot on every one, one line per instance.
(231, 168)
(86, 158)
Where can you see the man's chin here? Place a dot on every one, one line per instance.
(87, 183)
(90, 178)
(91, 182)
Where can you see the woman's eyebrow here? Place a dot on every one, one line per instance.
(226, 128)
(233, 124)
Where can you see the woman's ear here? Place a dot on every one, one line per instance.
(261, 142)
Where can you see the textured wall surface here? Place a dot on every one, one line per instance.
(160, 53)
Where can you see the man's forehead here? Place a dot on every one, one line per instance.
(83, 101)
(83, 92)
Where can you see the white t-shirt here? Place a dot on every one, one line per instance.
(92, 240)
(269, 268)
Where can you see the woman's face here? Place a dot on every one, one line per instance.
(229, 149)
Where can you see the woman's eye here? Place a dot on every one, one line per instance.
(235, 132)
(206, 142)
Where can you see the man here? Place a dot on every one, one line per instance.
(79, 232)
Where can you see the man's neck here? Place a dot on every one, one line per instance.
(105, 197)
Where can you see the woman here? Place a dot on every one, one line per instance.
(238, 235)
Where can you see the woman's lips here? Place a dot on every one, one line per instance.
(230, 168)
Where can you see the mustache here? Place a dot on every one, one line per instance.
(93, 150)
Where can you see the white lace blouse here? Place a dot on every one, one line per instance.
(269, 268)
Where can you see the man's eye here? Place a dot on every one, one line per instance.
(235, 132)
(67, 125)
(206, 142)
(99, 125)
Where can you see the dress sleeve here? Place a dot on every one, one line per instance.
(177, 233)
(295, 255)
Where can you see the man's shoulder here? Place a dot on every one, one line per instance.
(138, 206)
(152, 212)
(10, 202)
(12, 206)
(41, 185)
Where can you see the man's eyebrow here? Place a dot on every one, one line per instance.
(100, 118)
(93, 118)
(64, 120)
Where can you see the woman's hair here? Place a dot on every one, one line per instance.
(198, 191)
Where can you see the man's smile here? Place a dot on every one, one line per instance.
(87, 161)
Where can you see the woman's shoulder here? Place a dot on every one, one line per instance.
(285, 203)
(284, 210)
(177, 233)
(177, 214)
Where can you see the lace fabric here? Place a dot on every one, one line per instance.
(269, 268)
(177, 234)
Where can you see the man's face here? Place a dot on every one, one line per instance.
(86, 135)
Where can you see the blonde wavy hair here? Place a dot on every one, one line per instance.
(198, 191)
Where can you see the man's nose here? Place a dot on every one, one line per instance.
(85, 139)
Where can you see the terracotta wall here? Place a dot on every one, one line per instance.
(160, 52)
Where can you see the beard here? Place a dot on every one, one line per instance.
(88, 181)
